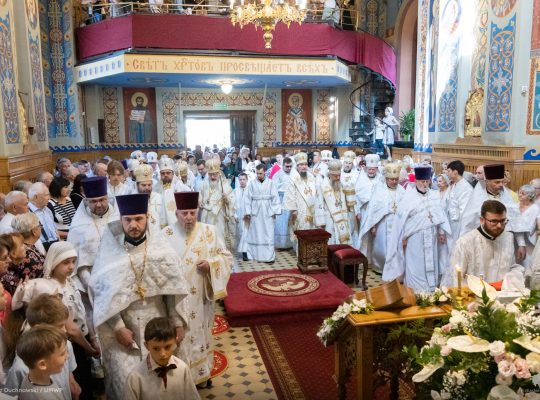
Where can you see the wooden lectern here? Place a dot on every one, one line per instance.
(312, 250)
(354, 344)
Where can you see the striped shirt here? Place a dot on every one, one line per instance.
(63, 213)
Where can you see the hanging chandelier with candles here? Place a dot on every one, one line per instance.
(266, 14)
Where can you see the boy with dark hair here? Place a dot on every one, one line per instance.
(161, 375)
(43, 350)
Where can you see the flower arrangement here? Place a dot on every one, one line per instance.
(329, 326)
(437, 297)
(486, 351)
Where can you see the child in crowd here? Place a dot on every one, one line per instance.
(45, 309)
(57, 270)
(43, 350)
(161, 375)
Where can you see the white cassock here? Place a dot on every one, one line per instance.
(419, 220)
(380, 213)
(301, 196)
(239, 195)
(476, 253)
(321, 168)
(190, 180)
(85, 234)
(262, 203)
(530, 219)
(119, 270)
(364, 191)
(458, 196)
(282, 235)
(118, 190)
(471, 216)
(348, 181)
(332, 212)
(203, 243)
(215, 211)
(156, 212)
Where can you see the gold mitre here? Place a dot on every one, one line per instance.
(213, 165)
(300, 158)
(334, 167)
(392, 170)
(143, 173)
(182, 168)
(349, 156)
(166, 164)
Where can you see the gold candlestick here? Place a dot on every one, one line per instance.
(459, 297)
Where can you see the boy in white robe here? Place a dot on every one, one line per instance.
(239, 195)
(459, 195)
(161, 374)
(282, 179)
(261, 207)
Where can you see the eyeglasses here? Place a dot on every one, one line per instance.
(497, 221)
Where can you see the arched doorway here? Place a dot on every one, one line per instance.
(407, 34)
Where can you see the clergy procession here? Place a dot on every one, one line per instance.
(141, 250)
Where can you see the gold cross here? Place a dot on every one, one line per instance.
(394, 207)
(140, 291)
(430, 217)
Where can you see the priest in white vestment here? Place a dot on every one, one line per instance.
(349, 176)
(318, 167)
(185, 175)
(487, 251)
(135, 278)
(301, 198)
(494, 190)
(157, 217)
(205, 263)
(167, 187)
(378, 224)
(216, 201)
(282, 179)
(331, 214)
(419, 239)
(261, 206)
(239, 201)
(458, 195)
(86, 230)
(364, 185)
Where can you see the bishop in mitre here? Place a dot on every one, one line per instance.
(156, 209)
(378, 223)
(301, 198)
(216, 203)
(205, 263)
(349, 176)
(331, 214)
(135, 278)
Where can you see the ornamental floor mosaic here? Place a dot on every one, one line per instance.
(246, 375)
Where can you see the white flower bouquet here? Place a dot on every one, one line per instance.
(331, 324)
(487, 351)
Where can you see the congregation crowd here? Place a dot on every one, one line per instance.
(128, 257)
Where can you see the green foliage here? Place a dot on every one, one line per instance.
(406, 125)
(494, 323)
(529, 302)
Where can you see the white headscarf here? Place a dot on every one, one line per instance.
(57, 253)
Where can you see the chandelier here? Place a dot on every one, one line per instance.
(267, 14)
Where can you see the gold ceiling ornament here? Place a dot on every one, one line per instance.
(266, 14)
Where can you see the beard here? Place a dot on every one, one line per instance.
(347, 170)
(214, 185)
(303, 175)
(336, 185)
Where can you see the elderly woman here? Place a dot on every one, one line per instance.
(60, 205)
(530, 215)
(26, 259)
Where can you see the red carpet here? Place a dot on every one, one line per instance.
(245, 307)
(301, 368)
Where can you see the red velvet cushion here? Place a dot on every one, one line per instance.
(332, 248)
(346, 254)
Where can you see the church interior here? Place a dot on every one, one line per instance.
(85, 79)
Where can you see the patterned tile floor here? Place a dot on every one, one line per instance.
(246, 375)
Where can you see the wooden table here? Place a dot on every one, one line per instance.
(312, 250)
(354, 344)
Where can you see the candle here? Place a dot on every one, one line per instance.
(458, 270)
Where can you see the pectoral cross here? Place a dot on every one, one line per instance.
(430, 217)
(394, 207)
(140, 291)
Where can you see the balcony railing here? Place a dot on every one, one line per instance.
(343, 18)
